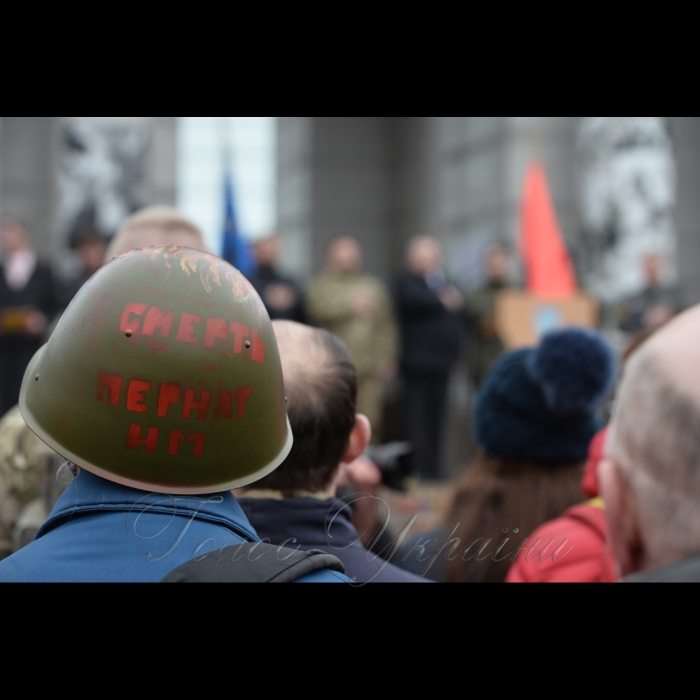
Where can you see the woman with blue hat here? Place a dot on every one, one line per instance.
(536, 416)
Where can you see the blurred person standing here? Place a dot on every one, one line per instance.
(429, 310)
(650, 477)
(655, 306)
(90, 249)
(28, 301)
(357, 309)
(282, 296)
(480, 308)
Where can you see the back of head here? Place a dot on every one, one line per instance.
(540, 405)
(500, 501)
(655, 439)
(321, 389)
(155, 226)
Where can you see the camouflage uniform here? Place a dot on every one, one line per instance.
(372, 342)
(27, 475)
(484, 348)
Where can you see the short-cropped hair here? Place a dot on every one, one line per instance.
(155, 226)
(321, 389)
(656, 441)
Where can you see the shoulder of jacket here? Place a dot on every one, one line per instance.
(325, 576)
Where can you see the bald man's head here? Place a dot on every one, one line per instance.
(155, 226)
(655, 444)
(321, 388)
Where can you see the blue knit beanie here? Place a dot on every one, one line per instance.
(540, 405)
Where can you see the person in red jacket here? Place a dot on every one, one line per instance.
(587, 556)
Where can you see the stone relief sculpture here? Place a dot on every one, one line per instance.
(628, 195)
(103, 175)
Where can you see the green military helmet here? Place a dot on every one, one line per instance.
(163, 375)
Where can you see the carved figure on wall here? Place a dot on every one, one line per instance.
(103, 176)
(628, 195)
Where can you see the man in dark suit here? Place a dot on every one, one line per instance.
(282, 296)
(429, 309)
(27, 303)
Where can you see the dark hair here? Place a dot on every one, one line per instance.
(322, 408)
(497, 496)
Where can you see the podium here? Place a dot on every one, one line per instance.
(522, 318)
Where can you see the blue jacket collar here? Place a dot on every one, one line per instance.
(91, 494)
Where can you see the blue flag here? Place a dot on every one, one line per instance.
(235, 248)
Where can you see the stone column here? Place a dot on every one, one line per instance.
(685, 133)
(295, 179)
(27, 180)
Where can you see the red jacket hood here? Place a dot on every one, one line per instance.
(595, 457)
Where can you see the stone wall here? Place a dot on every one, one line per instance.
(30, 154)
(686, 135)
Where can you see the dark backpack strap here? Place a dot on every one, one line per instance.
(254, 563)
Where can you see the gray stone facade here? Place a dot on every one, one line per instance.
(386, 179)
(381, 179)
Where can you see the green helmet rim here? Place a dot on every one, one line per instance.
(36, 428)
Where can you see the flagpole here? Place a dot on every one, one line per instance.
(535, 141)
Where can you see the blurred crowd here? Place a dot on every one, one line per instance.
(586, 468)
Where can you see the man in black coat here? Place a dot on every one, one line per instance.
(429, 311)
(90, 248)
(282, 296)
(27, 303)
(296, 506)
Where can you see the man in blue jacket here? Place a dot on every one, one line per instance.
(162, 388)
(296, 506)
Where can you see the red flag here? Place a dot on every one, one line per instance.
(550, 271)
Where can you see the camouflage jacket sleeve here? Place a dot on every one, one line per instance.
(10, 507)
(388, 334)
(328, 302)
(23, 473)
